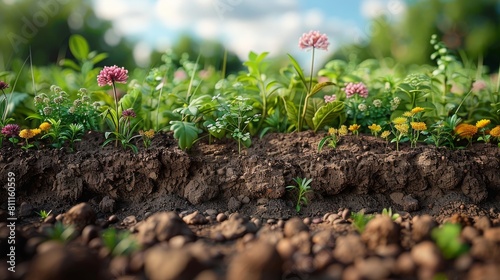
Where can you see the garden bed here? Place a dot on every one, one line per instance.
(426, 185)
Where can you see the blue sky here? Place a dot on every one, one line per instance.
(242, 25)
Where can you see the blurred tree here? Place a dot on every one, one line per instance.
(45, 27)
(462, 24)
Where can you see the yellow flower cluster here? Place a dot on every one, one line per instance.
(354, 127)
(418, 125)
(29, 133)
(403, 128)
(45, 126)
(149, 133)
(343, 130)
(399, 120)
(385, 134)
(417, 110)
(482, 123)
(375, 128)
(465, 130)
(495, 132)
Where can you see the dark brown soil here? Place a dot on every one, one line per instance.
(361, 174)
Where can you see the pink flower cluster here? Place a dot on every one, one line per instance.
(359, 88)
(330, 98)
(112, 74)
(3, 85)
(128, 113)
(10, 130)
(314, 39)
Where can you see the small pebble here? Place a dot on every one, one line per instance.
(307, 221)
(271, 221)
(221, 217)
(346, 214)
(112, 219)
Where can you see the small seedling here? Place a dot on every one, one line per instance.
(119, 243)
(447, 238)
(360, 220)
(43, 214)
(303, 187)
(388, 213)
(60, 232)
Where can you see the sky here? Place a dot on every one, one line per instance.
(242, 25)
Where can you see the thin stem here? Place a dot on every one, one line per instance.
(4, 113)
(306, 100)
(117, 122)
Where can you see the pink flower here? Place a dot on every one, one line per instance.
(10, 130)
(112, 74)
(359, 88)
(314, 39)
(3, 85)
(330, 98)
(128, 114)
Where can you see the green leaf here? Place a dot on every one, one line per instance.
(70, 64)
(292, 112)
(299, 71)
(100, 57)
(318, 87)
(332, 114)
(312, 107)
(186, 133)
(447, 239)
(132, 100)
(79, 47)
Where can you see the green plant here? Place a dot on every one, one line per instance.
(360, 220)
(60, 232)
(388, 213)
(43, 214)
(119, 243)
(447, 238)
(303, 188)
(235, 119)
(72, 134)
(125, 132)
(332, 138)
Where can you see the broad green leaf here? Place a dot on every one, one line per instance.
(332, 114)
(299, 71)
(70, 63)
(186, 133)
(100, 57)
(316, 88)
(79, 47)
(292, 112)
(132, 100)
(312, 107)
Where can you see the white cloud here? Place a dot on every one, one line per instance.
(391, 8)
(242, 25)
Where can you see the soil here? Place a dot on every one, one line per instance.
(224, 215)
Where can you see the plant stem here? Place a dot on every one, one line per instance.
(306, 100)
(117, 122)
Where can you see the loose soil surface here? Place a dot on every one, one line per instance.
(212, 213)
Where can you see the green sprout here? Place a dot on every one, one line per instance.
(60, 232)
(360, 220)
(119, 243)
(303, 187)
(43, 214)
(448, 240)
(388, 213)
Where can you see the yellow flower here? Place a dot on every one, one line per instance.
(466, 130)
(408, 114)
(342, 130)
(27, 133)
(332, 131)
(403, 128)
(45, 126)
(36, 131)
(375, 127)
(354, 127)
(417, 110)
(418, 125)
(385, 134)
(149, 133)
(483, 123)
(399, 120)
(495, 132)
